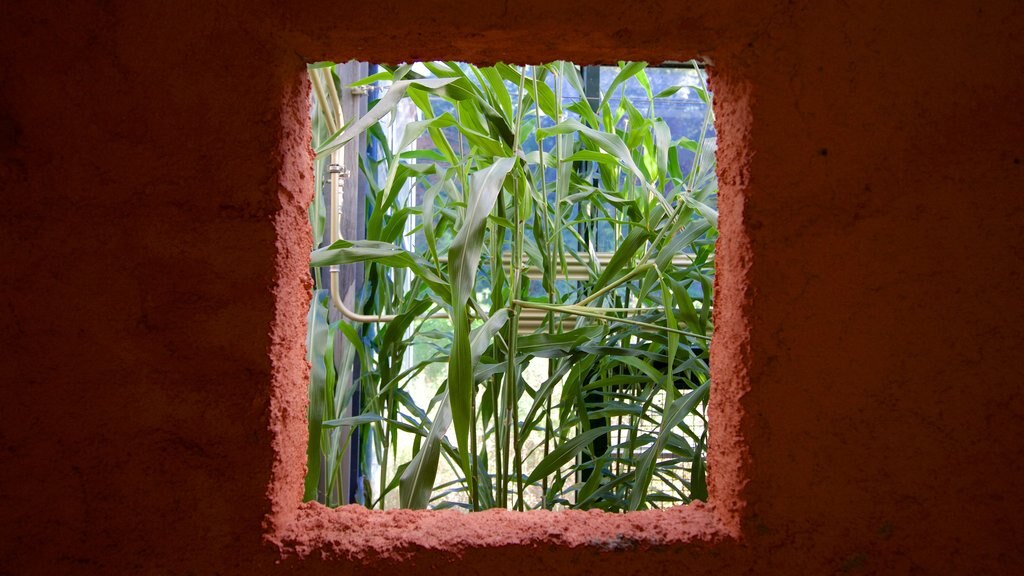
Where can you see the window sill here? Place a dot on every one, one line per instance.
(353, 533)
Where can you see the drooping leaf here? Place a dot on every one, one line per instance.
(555, 345)
(353, 420)
(566, 451)
(351, 251)
(385, 105)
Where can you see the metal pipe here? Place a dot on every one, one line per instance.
(337, 172)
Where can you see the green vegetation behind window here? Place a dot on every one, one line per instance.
(548, 256)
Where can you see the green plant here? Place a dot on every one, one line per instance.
(513, 191)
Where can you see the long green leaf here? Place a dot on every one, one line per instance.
(386, 104)
(567, 451)
(698, 472)
(352, 251)
(417, 479)
(556, 345)
(674, 416)
(463, 261)
(316, 342)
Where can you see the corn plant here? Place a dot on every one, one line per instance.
(485, 219)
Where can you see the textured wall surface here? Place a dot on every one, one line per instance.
(868, 413)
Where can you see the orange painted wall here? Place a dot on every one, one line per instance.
(153, 164)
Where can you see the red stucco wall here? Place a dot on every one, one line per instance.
(868, 360)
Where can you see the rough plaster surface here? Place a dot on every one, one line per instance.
(867, 414)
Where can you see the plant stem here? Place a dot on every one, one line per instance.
(335, 99)
(321, 99)
(511, 368)
(632, 274)
(549, 274)
(383, 465)
(560, 183)
(496, 271)
(474, 487)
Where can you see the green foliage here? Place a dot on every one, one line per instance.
(512, 191)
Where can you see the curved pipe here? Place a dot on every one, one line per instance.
(337, 172)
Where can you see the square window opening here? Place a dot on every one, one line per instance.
(548, 226)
